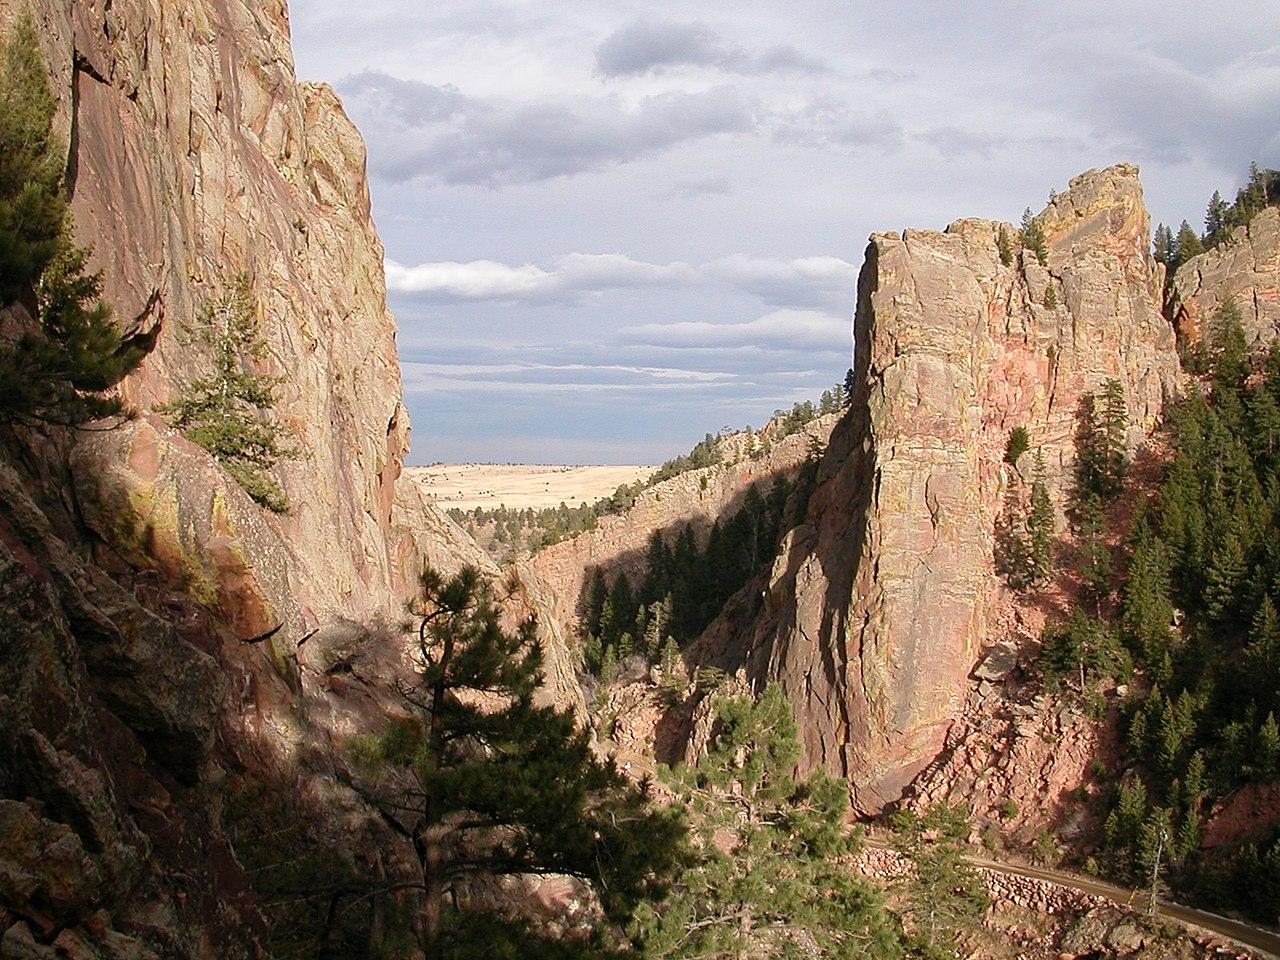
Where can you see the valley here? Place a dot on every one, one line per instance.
(975, 655)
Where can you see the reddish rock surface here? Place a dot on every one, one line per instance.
(880, 605)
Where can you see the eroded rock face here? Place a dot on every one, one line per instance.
(1245, 269)
(881, 604)
(194, 157)
(696, 497)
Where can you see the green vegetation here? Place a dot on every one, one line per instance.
(1019, 443)
(1005, 246)
(509, 533)
(1221, 218)
(686, 582)
(56, 371)
(1025, 529)
(1193, 628)
(1050, 297)
(769, 880)
(943, 894)
(227, 411)
(1032, 237)
(486, 784)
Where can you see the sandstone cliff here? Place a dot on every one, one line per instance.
(1246, 269)
(181, 662)
(880, 604)
(195, 157)
(697, 497)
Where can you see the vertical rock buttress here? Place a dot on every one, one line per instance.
(880, 604)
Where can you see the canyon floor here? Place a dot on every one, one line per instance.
(520, 485)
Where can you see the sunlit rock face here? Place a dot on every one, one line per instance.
(195, 157)
(1245, 269)
(880, 605)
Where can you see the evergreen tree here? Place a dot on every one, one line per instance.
(768, 881)
(1186, 245)
(619, 612)
(1266, 752)
(1032, 236)
(1095, 555)
(1005, 246)
(1040, 526)
(850, 384)
(826, 403)
(1124, 825)
(1050, 297)
(1228, 356)
(1113, 444)
(57, 368)
(945, 895)
(1215, 218)
(495, 786)
(33, 209)
(227, 412)
(1162, 246)
(1018, 443)
(1084, 648)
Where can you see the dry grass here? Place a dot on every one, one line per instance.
(516, 486)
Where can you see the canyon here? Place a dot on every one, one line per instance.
(177, 652)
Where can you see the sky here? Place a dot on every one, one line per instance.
(612, 227)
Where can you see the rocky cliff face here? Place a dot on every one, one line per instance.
(1245, 269)
(195, 157)
(881, 603)
(179, 656)
(697, 497)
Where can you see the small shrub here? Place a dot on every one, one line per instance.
(1019, 443)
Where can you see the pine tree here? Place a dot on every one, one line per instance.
(1005, 246)
(1186, 245)
(1162, 246)
(1040, 526)
(227, 412)
(496, 786)
(1050, 297)
(1095, 555)
(67, 352)
(1266, 752)
(1113, 443)
(826, 403)
(1228, 357)
(1124, 825)
(1033, 237)
(1215, 218)
(593, 601)
(850, 383)
(1018, 443)
(945, 895)
(768, 882)
(33, 209)
(1222, 579)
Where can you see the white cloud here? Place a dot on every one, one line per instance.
(783, 329)
(802, 282)
(647, 46)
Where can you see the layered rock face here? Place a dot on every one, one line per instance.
(1245, 269)
(196, 157)
(880, 604)
(697, 497)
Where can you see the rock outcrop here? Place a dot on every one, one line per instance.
(697, 497)
(880, 605)
(196, 157)
(1245, 269)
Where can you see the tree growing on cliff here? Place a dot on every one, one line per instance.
(944, 893)
(1004, 246)
(768, 881)
(1032, 235)
(228, 411)
(485, 783)
(59, 366)
(1019, 442)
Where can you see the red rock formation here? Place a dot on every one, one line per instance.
(195, 156)
(1246, 269)
(880, 605)
(697, 497)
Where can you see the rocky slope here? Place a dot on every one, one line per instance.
(1246, 269)
(880, 605)
(620, 541)
(196, 157)
(178, 654)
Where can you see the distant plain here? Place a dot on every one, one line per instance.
(520, 485)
